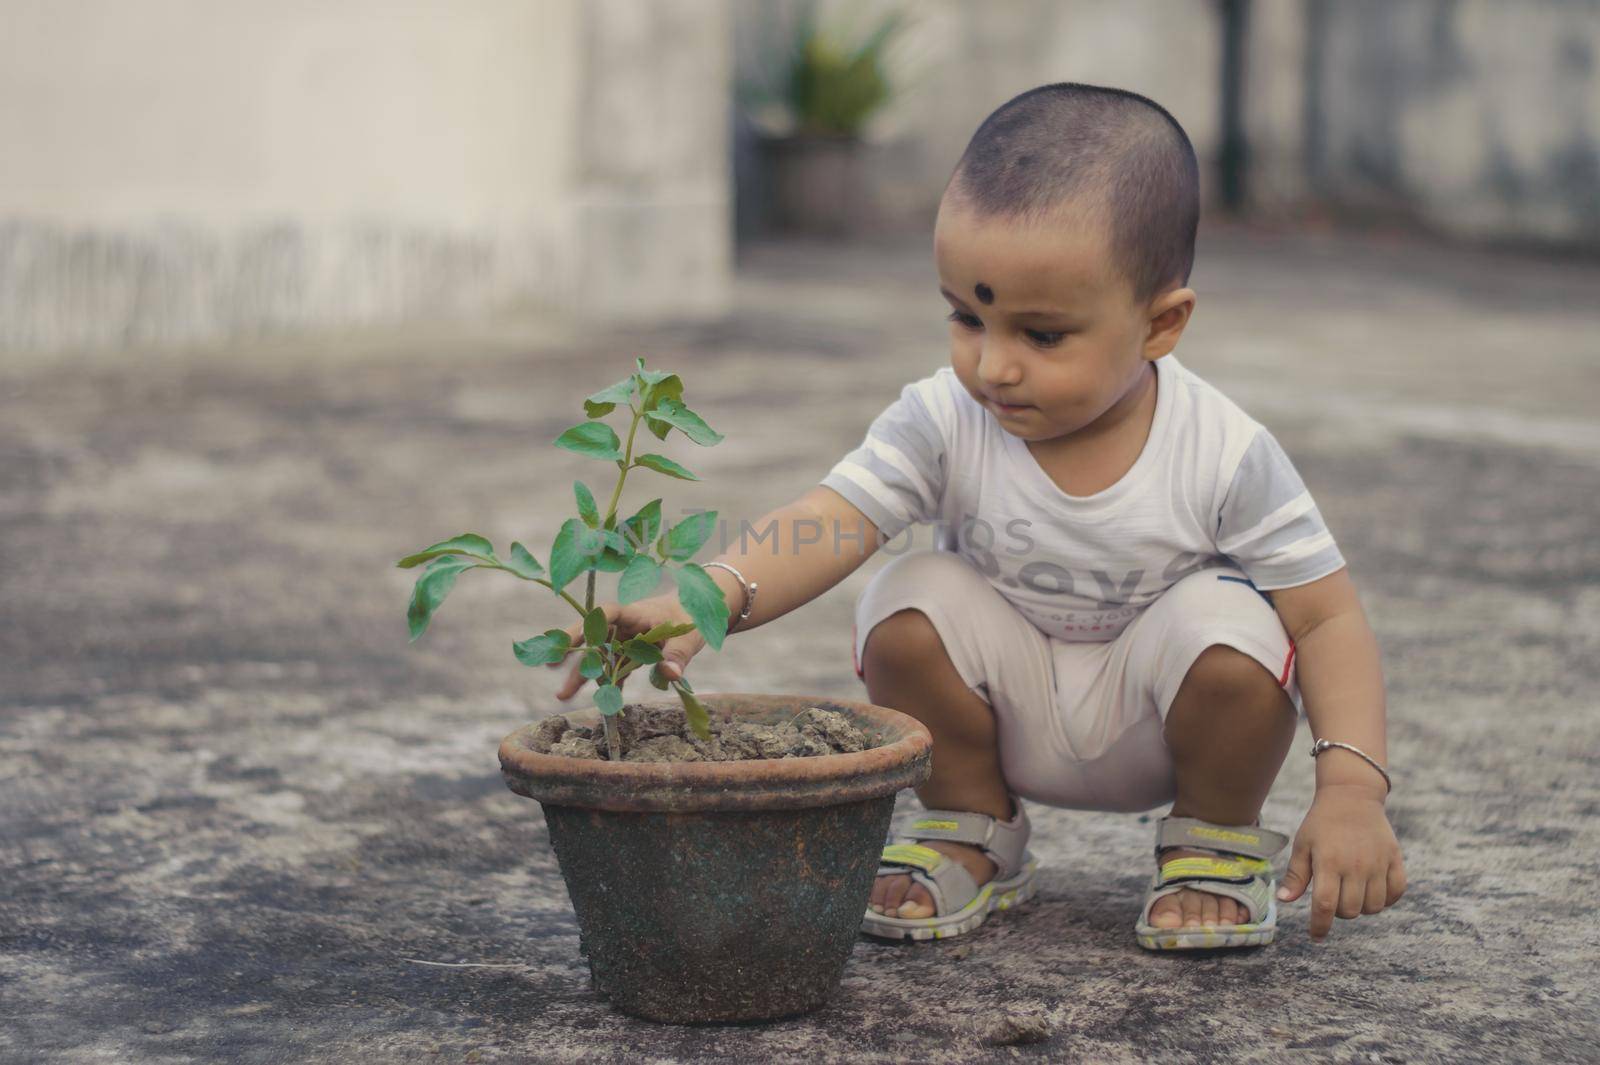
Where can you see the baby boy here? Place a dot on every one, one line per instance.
(1132, 596)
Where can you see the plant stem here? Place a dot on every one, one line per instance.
(613, 740)
(571, 601)
(627, 461)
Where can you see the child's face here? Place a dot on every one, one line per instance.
(1045, 331)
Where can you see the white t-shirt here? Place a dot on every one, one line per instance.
(1211, 487)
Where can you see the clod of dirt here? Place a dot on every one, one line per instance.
(573, 745)
(1018, 1026)
(661, 734)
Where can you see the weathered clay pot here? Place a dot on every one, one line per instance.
(817, 182)
(722, 891)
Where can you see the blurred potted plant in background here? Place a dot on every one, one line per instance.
(822, 88)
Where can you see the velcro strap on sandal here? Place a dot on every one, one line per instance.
(1242, 869)
(1005, 842)
(925, 858)
(947, 881)
(1249, 840)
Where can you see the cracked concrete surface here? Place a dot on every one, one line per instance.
(242, 820)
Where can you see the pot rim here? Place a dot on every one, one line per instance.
(750, 784)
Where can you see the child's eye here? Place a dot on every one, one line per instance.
(966, 321)
(1044, 340)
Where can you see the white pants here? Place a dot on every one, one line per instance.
(1080, 724)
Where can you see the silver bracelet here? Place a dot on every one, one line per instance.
(1323, 745)
(748, 586)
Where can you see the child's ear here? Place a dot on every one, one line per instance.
(1169, 315)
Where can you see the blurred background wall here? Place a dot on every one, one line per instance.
(186, 171)
(1478, 118)
(180, 172)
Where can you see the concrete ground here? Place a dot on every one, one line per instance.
(242, 820)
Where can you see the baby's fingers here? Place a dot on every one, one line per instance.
(570, 686)
(1324, 902)
(1396, 881)
(1377, 895)
(1298, 874)
(1352, 896)
(575, 635)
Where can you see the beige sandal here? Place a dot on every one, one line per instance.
(959, 904)
(1241, 870)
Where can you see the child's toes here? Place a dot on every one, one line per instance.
(917, 903)
(1165, 913)
(895, 894)
(1209, 909)
(880, 893)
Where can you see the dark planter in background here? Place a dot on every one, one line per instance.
(818, 183)
(722, 891)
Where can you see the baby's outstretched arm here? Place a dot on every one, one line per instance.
(792, 554)
(1345, 846)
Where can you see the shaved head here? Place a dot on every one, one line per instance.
(1113, 153)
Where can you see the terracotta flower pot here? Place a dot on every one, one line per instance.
(722, 891)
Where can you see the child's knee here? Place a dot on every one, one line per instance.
(903, 643)
(1227, 690)
(1229, 673)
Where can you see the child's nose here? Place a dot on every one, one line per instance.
(997, 364)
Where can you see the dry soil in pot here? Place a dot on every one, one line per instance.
(661, 734)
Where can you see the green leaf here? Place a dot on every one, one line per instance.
(541, 650)
(608, 697)
(690, 534)
(678, 416)
(568, 556)
(646, 654)
(662, 464)
(702, 601)
(658, 385)
(642, 529)
(657, 680)
(699, 720)
(639, 579)
(594, 627)
(586, 508)
(650, 377)
(470, 544)
(610, 561)
(606, 400)
(595, 439)
(430, 590)
(664, 388)
(591, 665)
(522, 563)
(666, 631)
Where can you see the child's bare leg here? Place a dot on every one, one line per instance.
(1228, 730)
(906, 668)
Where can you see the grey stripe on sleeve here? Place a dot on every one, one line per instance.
(1269, 523)
(896, 476)
(1263, 484)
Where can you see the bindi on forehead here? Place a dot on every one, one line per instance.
(984, 293)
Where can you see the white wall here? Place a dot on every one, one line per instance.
(187, 171)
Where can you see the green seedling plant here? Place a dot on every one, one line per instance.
(638, 548)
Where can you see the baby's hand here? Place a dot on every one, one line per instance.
(631, 619)
(1346, 846)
